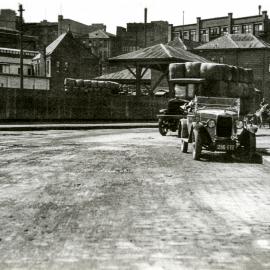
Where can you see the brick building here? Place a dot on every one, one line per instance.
(245, 50)
(47, 32)
(8, 19)
(9, 38)
(133, 36)
(65, 57)
(205, 30)
(10, 70)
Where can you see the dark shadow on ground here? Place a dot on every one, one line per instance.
(230, 158)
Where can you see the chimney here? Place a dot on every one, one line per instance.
(145, 15)
(60, 24)
(230, 22)
(264, 14)
(145, 30)
(260, 8)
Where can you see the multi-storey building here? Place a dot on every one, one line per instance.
(205, 30)
(141, 35)
(47, 32)
(8, 19)
(10, 70)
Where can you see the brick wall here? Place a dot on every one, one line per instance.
(45, 105)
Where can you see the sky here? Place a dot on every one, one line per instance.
(115, 13)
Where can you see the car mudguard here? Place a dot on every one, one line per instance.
(201, 130)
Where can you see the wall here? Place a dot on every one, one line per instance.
(44, 105)
(8, 18)
(13, 81)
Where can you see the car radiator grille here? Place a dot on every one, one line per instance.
(224, 126)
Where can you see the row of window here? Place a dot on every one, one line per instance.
(217, 31)
(8, 69)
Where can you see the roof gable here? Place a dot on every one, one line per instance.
(235, 41)
(100, 34)
(159, 52)
(53, 46)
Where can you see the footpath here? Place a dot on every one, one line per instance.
(75, 126)
(262, 136)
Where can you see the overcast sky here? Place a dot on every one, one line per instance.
(119, 12)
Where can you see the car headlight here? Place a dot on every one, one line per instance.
(239, 124)
(211, 123)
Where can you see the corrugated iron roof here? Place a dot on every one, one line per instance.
(183, 43)
(100, 34)
(124, 74)
(235, 41)
(177, 43)
(159, 52)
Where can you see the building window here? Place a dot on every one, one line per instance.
(48, 67)
(204, 35)
(258, 28)
(193, 35)
(19, 70)
(186, 35)
(57, 66)
(213, 59)
(236, 29)
(247, 28)
(29, 71)
(1, 68)
(221, 59)
(66, 66)
(214, 31)
(224, 30)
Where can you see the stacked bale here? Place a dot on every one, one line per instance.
(221, 79)
(177, 70)
(100, 87)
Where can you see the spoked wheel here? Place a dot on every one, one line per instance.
(197, 147)
(184, 146)
(179, 126)
(162, 127)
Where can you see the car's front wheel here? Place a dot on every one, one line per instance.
(162, 127)
(197, 147)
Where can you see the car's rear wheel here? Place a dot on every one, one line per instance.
(184, 146)
(162, 127)
(197, 147)
(179, 129)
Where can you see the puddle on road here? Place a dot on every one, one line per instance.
(262, 243)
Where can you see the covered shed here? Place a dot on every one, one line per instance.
(156, 57)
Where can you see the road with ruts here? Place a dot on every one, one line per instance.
(128, 199)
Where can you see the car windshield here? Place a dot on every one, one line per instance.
(232, 104)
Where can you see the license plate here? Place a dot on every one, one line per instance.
(226, 147)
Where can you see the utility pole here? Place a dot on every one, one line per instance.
(21, 10)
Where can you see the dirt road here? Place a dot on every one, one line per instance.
(128, 199)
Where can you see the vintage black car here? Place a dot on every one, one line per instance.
(215, 125)
(169, 119)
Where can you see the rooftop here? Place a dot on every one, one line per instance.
(159, 52)
(235, 41)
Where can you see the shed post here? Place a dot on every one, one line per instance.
(138, 80)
